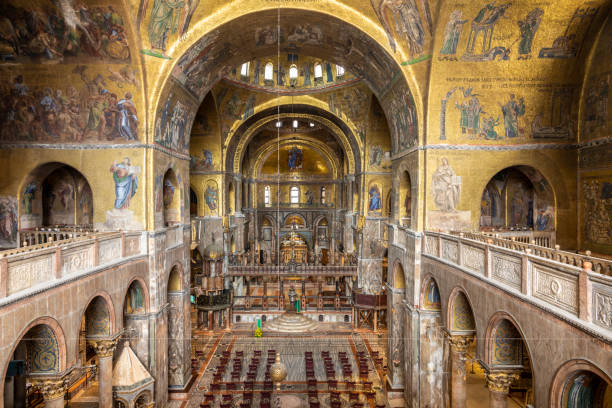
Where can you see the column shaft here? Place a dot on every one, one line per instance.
(105, 381)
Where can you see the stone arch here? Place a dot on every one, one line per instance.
(103, 322)
(430, 295)
(294, 217)
(566, 375)
(399, 277)
(460, 314)
(175, 278)
(506, 347)
(137, 280)
(44, 350)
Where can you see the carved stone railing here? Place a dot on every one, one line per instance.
(600, 265)
(562, 288)
(288, 270)
(36, 266)
(45, 235)
(547, 239)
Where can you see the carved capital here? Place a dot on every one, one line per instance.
(103, 347)
(459, 344)
(51, 389)
(500, 381)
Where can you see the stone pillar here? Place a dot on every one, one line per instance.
(237, 195)
(53, 391)
(349, 193)
(458, 347)
(178, 342)
(104, 350)
(499, 383)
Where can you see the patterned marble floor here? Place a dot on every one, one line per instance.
(294, 391)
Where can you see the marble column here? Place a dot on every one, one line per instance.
(458, 347)
(104, 350)
(53, 391)
(499, 383)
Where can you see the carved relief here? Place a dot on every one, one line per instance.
(77, 261)
(473, 258)
(431, 245)
(559, 290)
(507, 270)
(450, 251)
(28, 273)
(109, 251)
(132, 246)
(602, 306)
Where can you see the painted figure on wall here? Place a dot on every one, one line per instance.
(446, 187)
(484, 23)
(28, 197)
(598, 211)
(597, 104)
(512, 111)
(401, 18)
(126, 182)
(309, 197)
(8, 221)
(469, 121)
(295, 159)
(168, 193)
(528, 28)
(375, 198)
(127, 122)
(135, 300)
(432, 296)
(488, 128)
(173, 126)
(544, 219)
(210, 196)
(569, 44)
(166, 18)
(452, 32)
(62, 29)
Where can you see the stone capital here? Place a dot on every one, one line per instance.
(500, 381)
(459, 343)
(51, 389)
(103, 347)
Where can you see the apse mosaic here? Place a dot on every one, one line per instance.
(43, 351)
(507, 345)
(462, 315)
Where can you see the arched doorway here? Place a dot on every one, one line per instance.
(519, 198)
(171, 198)
(509, 371)
(37, 353)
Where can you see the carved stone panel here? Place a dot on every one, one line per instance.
(431, 245)
(450, 251)
(77, 260)
(30, 272)
(132, 246)
(602, 306)
(555, 288)
(473, 259)
(507, 269)
(109, 251)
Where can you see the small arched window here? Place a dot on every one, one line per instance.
(318, 71)
(267, 195)
(244, 70)
(294, 195)
(339, 71)
(323, 194)
(293, 72)
(269, 72)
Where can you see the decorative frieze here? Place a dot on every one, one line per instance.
(431, 245)
(552, 287)
(77, 260)
(51, 389)
(507, 269)
(602, 306)
(109, 251)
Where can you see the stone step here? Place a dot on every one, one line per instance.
(291, 322)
